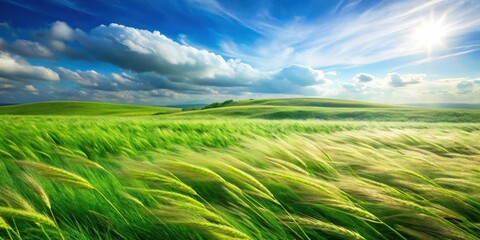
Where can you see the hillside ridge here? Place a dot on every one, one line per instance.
(84, 109)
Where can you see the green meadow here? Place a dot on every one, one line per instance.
(84, 109)
(252, 169)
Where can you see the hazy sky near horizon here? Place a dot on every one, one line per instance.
(198, 51)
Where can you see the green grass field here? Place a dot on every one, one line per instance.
(255, 169)
(83, 109)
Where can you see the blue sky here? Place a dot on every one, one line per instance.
(193, 51)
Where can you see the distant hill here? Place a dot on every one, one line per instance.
(199, 105)
(330, 109)
(446, 105)
(309, 102)
(84, 109)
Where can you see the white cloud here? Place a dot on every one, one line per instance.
(397, 80)
(365, 86)
(30, 49)
(157, 62)
(144, 51)
(363, 77)
(413, 88)
(26, 48)
(294, 79)
(30, 88)
(301, 75)
(468, 86)
(88, 78)
(124, 78)
(61, 30)
(16, 69)
(128, 82)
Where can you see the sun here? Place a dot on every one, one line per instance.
(431, 33)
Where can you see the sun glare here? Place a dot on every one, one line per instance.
(431, 34)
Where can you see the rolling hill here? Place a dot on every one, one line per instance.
(332, 109)
(281, 108)
(84, 109)
(309, 102)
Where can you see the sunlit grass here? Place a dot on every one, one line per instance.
(160, 178)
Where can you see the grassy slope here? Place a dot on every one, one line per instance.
(313, 102)
(84, 109)
(331, 109)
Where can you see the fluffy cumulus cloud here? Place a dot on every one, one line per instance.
(293, 79)
(369, 87)
(301, 75)
(91, 79)
(412, 88)
(155, 62)
(88, 78)
(30, 88)
(362, 83)
(61, 30)
(363, 78)
(468, 86)
(26, 48)
(30, 49)
(365, 81)
(14, 68)
(397, 80)
(17, 78)
(144, 51)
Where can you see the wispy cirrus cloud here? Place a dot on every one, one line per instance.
(381, 32)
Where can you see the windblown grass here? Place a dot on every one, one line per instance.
(141, 178)
(25, 215)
